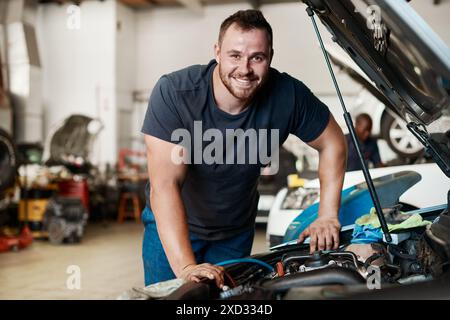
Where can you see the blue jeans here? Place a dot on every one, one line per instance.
(156, 265)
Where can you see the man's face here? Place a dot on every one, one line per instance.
(363, 129)
(244, 59)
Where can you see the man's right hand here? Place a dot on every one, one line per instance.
(194, 272)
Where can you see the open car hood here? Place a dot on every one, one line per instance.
(71, 142)
(397, 51)
(347, 65)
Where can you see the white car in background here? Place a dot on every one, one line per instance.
(396, 143)
(387, 125)
(431, 190)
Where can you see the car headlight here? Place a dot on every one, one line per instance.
(299, 198)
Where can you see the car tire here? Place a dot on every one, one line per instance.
(57, 230)
(399, 138)
(8, 160)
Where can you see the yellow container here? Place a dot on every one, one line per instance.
(294, 181)
(36, 209)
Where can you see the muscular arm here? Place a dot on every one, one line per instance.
(166, 180)
(332, 148)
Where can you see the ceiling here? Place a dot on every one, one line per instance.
(195, 5)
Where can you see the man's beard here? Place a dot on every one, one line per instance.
(241, 93)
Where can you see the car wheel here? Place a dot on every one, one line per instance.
(8, 160)
(399, 138)
(57, 230)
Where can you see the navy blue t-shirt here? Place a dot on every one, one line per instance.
(369, 149)
(221, 198)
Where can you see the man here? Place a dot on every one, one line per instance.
(203, 213)
(369, 147)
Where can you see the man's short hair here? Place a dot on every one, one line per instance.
(364, 116)
(247, 20)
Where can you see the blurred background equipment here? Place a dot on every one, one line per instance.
(10, 239)
(8, 161)
(132, 177)
(54, 197)
(33, 196)
(65, 219)
(269, 185)
(32, 206)
(71, 142)
(77, 187)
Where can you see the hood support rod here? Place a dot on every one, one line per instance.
(351, 128)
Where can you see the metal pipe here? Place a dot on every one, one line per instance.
(346, 253)
(351, 128)
(286, 259)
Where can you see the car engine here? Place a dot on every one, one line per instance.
(419, 255)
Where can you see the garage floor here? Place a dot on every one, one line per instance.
(109, 259)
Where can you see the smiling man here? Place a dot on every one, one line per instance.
(203, 212)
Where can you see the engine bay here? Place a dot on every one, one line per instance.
(415, 256)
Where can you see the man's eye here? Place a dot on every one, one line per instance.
(258, 58)
(235, 56)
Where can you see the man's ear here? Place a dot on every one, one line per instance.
(217, 52)
(271, 55)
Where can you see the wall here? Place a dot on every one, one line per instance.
(125, 74)
(164, 46)
(173, 38)
(79, 68)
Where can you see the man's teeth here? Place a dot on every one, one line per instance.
(242, 81)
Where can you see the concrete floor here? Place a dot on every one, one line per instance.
(109, 260)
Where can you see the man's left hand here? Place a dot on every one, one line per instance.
(323, 233)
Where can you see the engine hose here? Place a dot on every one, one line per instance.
(248, 260)
(230, 279)
(318, 277)
(280, 269)
(371, 259)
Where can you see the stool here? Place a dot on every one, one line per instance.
(123, 212)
